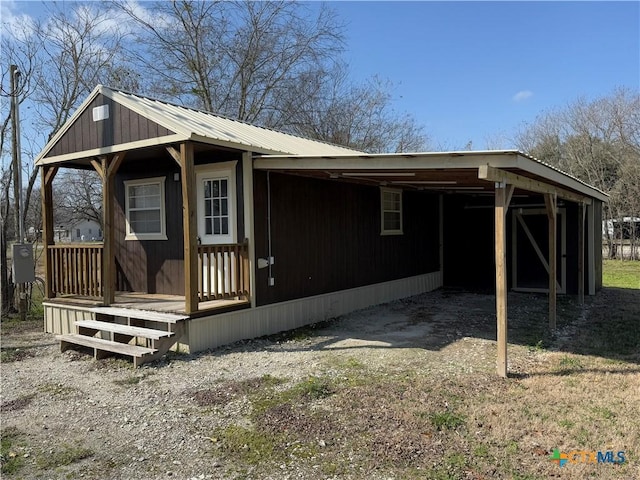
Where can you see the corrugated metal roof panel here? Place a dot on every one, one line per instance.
(217, 128)
(199, 126)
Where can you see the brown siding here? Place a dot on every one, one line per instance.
(122, 126)
(326, 237)
(152, 266)
(469, 250)
(157, 266)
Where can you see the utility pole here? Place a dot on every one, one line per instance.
(17, 184)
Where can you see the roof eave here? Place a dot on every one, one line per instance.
(96, 152)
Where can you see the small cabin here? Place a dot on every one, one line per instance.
(216, 230)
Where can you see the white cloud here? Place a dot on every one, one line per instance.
(14, 24)
(522, 95)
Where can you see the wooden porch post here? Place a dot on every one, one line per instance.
(247, 185)
(581, 214)
(107, 168)
(550, 201)
(189, 227)
(502, 199)
(47, 175)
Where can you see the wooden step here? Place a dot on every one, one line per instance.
(100, 345)
(139, 314)
(123, 329)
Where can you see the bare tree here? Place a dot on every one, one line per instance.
(597, 141)
(61, 59)
(19, 50)
(79, 48)
(232, 58)
(80, 198)
(327, 106)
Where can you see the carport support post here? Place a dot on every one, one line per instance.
(502, 199)
(550, 201)
(581, 214)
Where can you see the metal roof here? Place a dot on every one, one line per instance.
(282, 151)
(205, 127)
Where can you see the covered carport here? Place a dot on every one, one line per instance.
(498, 180)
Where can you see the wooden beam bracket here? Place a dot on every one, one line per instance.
(175, 154)
(97, 165)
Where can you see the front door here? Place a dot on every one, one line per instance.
(530, 250)
(217, 226)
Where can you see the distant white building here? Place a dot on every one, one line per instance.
(629, 226)
(80, 231)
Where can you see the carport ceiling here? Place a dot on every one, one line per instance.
(437, 180)
(435, 171)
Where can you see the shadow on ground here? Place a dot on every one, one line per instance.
(607, 325)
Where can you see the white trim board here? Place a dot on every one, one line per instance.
(221, 329)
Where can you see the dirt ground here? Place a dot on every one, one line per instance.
(196, 416)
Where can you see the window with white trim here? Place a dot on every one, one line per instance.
(390, 211)
(145, 209)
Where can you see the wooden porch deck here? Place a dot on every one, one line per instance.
(154, 302)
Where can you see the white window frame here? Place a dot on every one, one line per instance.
(384, 231)
(162, 234)
(212, 171)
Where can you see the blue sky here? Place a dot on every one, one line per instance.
(476, 71)
(459, 66)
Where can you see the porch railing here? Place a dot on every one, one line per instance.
(223, 271)
(76, 269)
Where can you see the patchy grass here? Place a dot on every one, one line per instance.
(314, 388)
(132, 380)
(14, 354)
(65, 455)
(245, 444)
(12, 325)
(18, 404)
(446, 420)
(579, 393)
(57, 389)
(614, 326)
(225, 392)
(412, 412)
(621, 274)
(10, 445)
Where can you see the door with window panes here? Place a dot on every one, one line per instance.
(215, 211)
(216, 220)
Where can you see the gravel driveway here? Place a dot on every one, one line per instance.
(74, 417)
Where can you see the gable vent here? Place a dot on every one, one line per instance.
(101, 113)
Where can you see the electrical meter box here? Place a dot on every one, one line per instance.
(23, 264)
